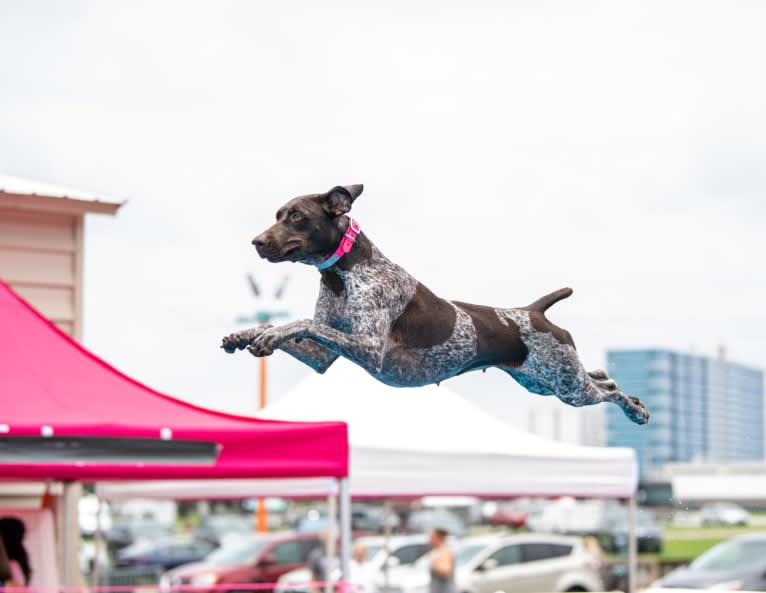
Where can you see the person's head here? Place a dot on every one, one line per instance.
(12, 532)
(359, 553)
(437, 536)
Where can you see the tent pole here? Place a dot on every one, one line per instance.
(70, 534)
(332, 536)
(345, 532)
(632, 546)
(386, 542)
(98, 542)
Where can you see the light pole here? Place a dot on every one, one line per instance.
(263, 317)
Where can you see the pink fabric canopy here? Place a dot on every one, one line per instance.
(51, 387)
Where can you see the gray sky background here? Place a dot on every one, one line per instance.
(507, 149)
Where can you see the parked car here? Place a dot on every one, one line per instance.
(93, 514)
(423, 521)
(249, 559)
(128, 531)
(738, 563)
(365, 517)
(565, 515)
(312, 522)
(607, 522)
(405, 550)
(724, 513)
(614, 532)
(164, 553)
(506, 515)
(215, 528)
(517, 563)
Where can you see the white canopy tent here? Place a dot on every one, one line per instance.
(416, 442)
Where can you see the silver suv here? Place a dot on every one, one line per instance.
(513, 564)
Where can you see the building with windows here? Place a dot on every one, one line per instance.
(702, 409)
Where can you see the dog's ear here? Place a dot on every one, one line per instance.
(339, 199)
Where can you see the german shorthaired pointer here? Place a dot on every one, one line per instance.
(374, 313)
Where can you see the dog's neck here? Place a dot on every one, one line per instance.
(363, 252)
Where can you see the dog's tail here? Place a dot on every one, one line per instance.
(543, 303)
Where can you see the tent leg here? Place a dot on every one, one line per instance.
(70, 534)
(98, 542)
(332, 537)
(632, 546)
(386, 543)
(345, 533)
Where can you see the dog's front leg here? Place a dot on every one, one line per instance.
(309, 353)
(241, 339)
(366, 350)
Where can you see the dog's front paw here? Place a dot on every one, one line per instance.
(240, 340)
(265, 343)
(270, 340)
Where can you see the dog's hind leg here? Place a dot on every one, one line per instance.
(580, 388)
(552, 366)
(611, 392)
(528, 382)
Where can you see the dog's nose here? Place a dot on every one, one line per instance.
(259, 242)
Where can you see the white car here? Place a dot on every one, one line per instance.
(724, 513)
(404, 551)
(513, 564)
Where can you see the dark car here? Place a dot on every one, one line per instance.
(649, 534)
(214, 528)
(127, 532)
(738, 563)
(250, 559)
(164, 553)
(367, 518)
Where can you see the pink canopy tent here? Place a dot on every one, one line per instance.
(67, 415)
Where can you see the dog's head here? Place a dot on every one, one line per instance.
(308, 228)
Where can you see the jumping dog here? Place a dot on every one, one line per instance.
(372, 312)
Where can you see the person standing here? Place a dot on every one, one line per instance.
(361, 577)
(318, 562)
(12, 533)
(441, 562)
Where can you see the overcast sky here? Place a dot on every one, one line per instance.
(507, 149)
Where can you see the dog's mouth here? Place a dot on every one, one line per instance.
(283, 255)
(290, 251)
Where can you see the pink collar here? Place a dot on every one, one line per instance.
(345, 245)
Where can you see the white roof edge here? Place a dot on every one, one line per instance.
(19, 186)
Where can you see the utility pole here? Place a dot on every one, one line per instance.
(263, 317)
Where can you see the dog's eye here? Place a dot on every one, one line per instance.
(296, 216)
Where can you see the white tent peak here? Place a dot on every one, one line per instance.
(431, 418)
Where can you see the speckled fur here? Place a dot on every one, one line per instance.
(552, 368)
(356, 323)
